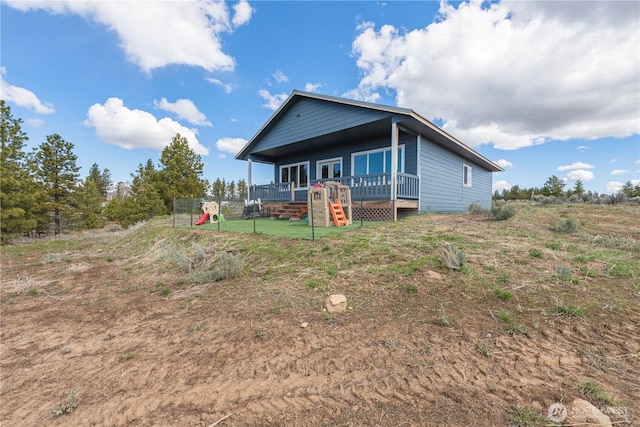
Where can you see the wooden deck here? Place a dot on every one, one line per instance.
(376, 210)
(288, 210)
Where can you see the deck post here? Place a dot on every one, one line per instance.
(394, 170)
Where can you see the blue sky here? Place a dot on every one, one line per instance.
(542, 88)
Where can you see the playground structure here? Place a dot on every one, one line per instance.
(329, 204)
(211, 212)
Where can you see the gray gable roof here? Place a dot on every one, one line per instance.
(404, 117)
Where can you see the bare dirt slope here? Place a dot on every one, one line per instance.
(104, 328)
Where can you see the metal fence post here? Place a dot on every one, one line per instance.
(191, 213)
(313, 226)
(361, 204)
(219, 210)
(253, 214)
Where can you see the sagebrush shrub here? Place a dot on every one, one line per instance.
(68, 405)
(563, 273)
(501, 212)
(565, 226)
(475, 208)
(177, 255)
(228, 266)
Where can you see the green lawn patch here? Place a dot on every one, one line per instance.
(283, 228)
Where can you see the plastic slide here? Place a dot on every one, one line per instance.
(203, 219)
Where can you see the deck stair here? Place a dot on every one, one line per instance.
(291, 210)
(337, 213)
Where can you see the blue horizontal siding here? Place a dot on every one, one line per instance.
(441, 186)
(310, 118)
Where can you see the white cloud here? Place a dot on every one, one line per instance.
(22, 97)
(280, 77)
(230, 145)
(185, 109)
(362, 94)
(243, 12)
(618, 172)
(501, 185)
(273, 101)
(583, 147)
(312, 87)
(513, 73)
(613, 186)
(118, 125)
(156, 34)
(504, 163)
(637, 162)
(579, 174)
(575, 165)
(225, 86)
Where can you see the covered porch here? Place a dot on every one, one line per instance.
(367, 188)
(373, 196)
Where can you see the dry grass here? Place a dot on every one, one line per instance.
(505, 308)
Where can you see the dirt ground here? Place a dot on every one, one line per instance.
(86, 329)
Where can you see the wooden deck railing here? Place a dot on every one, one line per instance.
(366, 187)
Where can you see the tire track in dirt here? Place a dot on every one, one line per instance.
(325, 368)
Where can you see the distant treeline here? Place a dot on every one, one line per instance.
(553, 190)
(42, 192)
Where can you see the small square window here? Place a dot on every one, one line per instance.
(466, 176)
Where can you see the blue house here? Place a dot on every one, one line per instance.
(394, 160)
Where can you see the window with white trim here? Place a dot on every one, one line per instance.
(375, 161)
(466, 175)
(330, 168)
(298, 173)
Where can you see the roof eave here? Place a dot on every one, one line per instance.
(493, 167)
(243, 153)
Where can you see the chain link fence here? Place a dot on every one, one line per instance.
(186, 212)
(233, 215)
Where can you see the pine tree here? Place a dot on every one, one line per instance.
(578, 188)
(217, 189)
(553, 187)
(89, 199)
(17, 187)
(54, 166)
(181, 176)
(102, 179)
(630, 190)
(143, 205)
(147, 174)
(232, 190)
